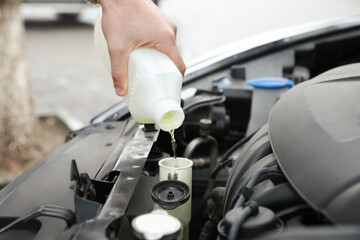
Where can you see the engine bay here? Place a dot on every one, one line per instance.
(294, 177)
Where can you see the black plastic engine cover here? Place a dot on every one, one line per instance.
(315, 134)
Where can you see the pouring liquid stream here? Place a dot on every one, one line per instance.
(174, 145)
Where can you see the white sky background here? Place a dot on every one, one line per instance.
(204, 25)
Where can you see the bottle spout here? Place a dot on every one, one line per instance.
(168, 114)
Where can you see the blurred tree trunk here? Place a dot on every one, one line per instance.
(18, 123)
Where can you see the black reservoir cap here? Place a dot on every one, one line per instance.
(170, 194)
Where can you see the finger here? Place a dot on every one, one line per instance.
(173, 52)
(119, 57)
(176, 57)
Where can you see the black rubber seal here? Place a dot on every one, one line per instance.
(170, 194)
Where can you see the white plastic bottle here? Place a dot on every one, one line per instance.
(154, 84)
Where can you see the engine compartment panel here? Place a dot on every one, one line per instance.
(315, 128)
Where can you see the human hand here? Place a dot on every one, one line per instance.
(129, 24)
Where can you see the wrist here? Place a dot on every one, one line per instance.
(95, 2)
(101, 2)
(110, 4)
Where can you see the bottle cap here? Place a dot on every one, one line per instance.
(270, 83)
(156, 225)
(168, 114)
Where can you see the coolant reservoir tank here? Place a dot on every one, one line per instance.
(154, 84)
(181, 170)
(173, 193)
(265, 94)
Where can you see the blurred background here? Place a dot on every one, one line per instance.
(69, 80)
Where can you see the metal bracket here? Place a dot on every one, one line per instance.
(83, 186)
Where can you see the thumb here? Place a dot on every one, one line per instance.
(119, 69)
